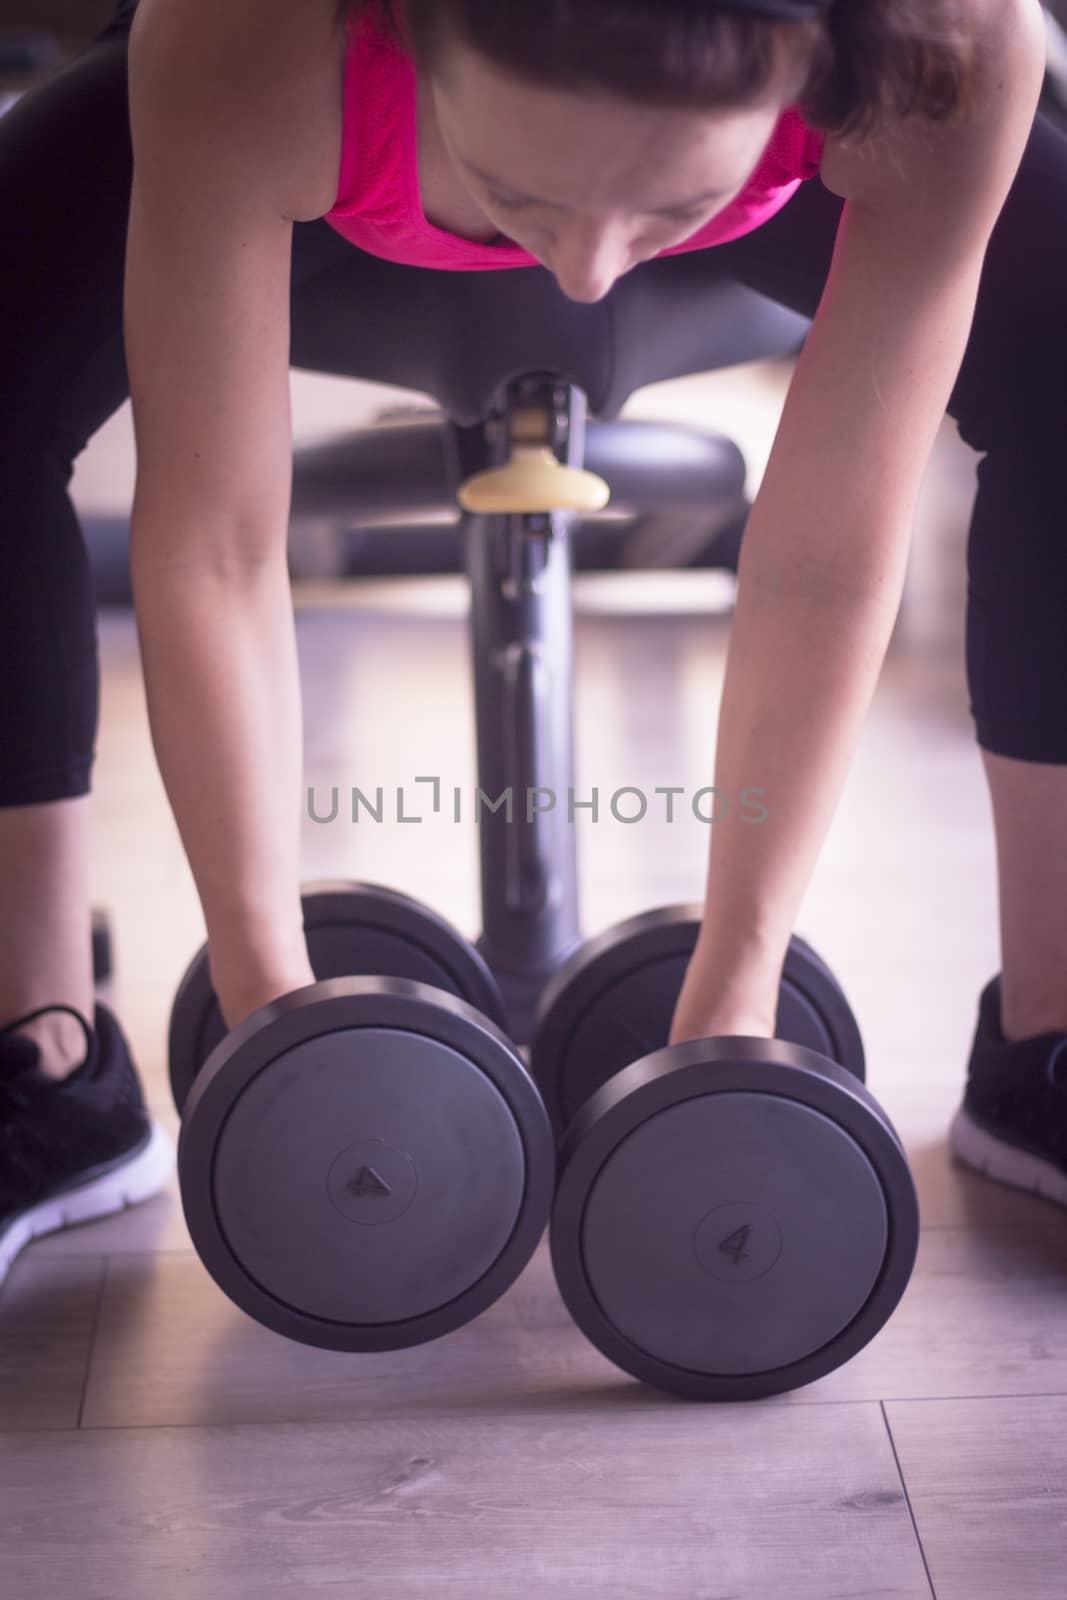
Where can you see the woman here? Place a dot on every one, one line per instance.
(661, 126)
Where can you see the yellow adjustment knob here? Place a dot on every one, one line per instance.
(534, 480)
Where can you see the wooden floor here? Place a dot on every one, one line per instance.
(156, 1441)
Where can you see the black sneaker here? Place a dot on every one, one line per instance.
(1012, 1124)
(72, 1148)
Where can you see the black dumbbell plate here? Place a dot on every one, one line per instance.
(734, 1218)
(367, 1170)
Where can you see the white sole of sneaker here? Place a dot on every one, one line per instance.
(1003, 1162)
(139, 1178)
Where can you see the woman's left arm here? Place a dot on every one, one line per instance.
(825, 551)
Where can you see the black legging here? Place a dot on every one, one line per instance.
(65, 175)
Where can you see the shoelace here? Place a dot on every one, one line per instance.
(10, 1093)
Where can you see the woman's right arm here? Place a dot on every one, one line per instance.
(218, 178)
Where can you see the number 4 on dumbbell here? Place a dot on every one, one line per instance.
(733, 1217)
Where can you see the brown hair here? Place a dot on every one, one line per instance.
(862, 62)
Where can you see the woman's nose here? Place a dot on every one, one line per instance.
(587, 261)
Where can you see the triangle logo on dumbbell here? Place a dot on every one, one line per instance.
(367, 1182)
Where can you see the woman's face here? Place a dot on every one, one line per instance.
(590, 184)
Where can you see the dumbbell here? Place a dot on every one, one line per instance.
(365, 1162)
(734, 1217)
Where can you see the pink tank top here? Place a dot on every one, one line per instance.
(378, 206)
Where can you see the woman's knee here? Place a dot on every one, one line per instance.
(66, 173)
(49, 707)
(1013, 376)
(66, 166)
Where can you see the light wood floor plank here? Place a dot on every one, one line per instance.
(985, 1313)
(642, 1500)
(987, 1481)
(47, 1321)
